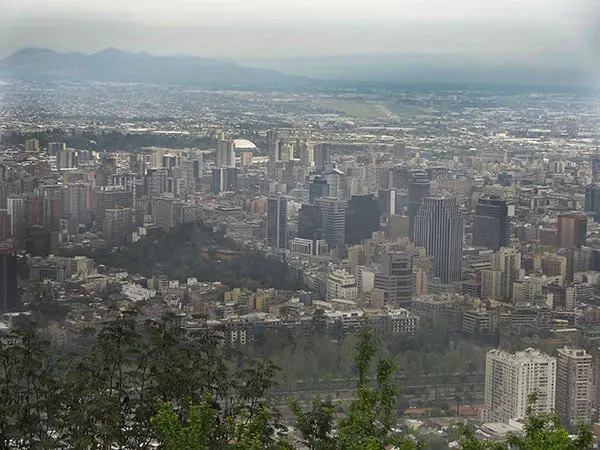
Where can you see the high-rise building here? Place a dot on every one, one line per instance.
(78, 205)
(337, 183)
(224, 179)
(322, 156)
(387, 202)
(511, 378)
(491, 224)
(572, 230)
(225, 154)
(317, 188)
(66, 159)
(305, 151)
(310, 222)
(156, 181)
(4, 225)
(574, 385)
(396, 280)
(163, 212)
(439, 228)
(399, 151)
(110, 198)
(362, 218)
(592, 200)
(32, 145)
(17, 210)
(55, 147)
(118, 226)
(507, 262)
(419, 187)
(277, 221)
(9, 295)
(333, 219)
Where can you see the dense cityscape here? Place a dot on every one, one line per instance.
(458, 224)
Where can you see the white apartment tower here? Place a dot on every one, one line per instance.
(511, 378)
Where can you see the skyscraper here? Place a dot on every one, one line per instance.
(55, 147)
(110, 198)
(9, 296)
(439, 228)
(395, 280)
(317, 188)
(224, 179)
(491, 225)
(118, 226)
(163, 212)
(4, 225)
(574, 385)
(572, 230)
(17, 210)
(418, 189)
(322, 156)
(592, 200)
(337, 183)
(333, 218)
(79, 203)
(387, 201)
(66, 159)
(277, 221)
(225, 154)
(362, 218)
(507, 262)
(32, 145)
(511, 378)
(310, 222)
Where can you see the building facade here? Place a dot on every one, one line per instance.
(439, 228)
(511, 378)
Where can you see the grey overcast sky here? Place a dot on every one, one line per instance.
(304, 28)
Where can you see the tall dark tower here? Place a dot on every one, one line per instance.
(277, 221)
(322, 156)
(418, 188)
(491, 225)
(317, 188)
(439, 228)
(362, 218)
(9, 297)
(592, 200)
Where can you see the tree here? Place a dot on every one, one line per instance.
(371, 419)
(542, 431)
(317, 424)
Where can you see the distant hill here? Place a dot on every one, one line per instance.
(557, 69)
(113, 65)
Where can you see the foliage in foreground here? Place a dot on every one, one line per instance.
(369, 424)
(542, 431)
(131, 383)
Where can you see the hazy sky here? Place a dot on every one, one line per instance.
(299, 28)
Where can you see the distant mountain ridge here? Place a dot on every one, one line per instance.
(114, 65)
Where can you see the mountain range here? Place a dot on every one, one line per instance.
(114, 65)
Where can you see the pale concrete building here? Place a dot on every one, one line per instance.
(511, 378)
(574, 390)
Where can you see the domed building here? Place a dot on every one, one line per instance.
(244, 145)
(245, 149)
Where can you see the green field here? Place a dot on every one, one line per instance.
(359, 109)
(369, 110)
